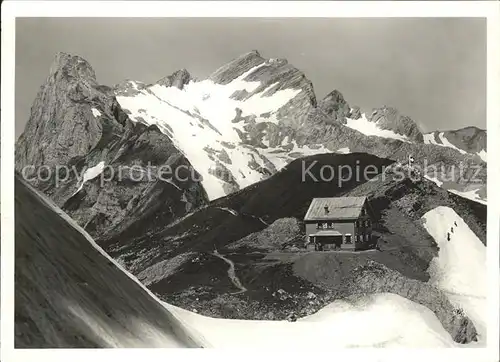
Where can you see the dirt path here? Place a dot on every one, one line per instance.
(235, 213)
(231, 211)
(231, 273)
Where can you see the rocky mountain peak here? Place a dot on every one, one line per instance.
(71, 66)
(255, 51)
(391, 119)
(66, 119)
(236, 67)
(355, 112)
(273, 75)
(177, 79)
(335, 106)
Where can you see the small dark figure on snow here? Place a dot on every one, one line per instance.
(448, 236)
(455, 223)
(452, 229)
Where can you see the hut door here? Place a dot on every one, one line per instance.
(348, 239)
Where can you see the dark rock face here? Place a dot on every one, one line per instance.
(76, 125)
(178, 79)
(62, 126)
(390, 118)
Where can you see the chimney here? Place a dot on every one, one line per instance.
(326, 210)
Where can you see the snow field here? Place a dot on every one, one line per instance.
(368, 128)
(460, 268)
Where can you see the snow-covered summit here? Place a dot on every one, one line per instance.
(209, 120)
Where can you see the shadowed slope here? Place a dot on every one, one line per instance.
(68, 294)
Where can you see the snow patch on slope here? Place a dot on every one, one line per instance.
(483, 155)
(471, 195)
(96, 112)
(433, 179)
(231, 211)
(90, 174)
(460, 268)
(289, 151)
(429, 139)
(447, 143)
(442, 141)
(368, 128)
(344, 150)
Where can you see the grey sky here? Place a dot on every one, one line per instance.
(433, 70)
